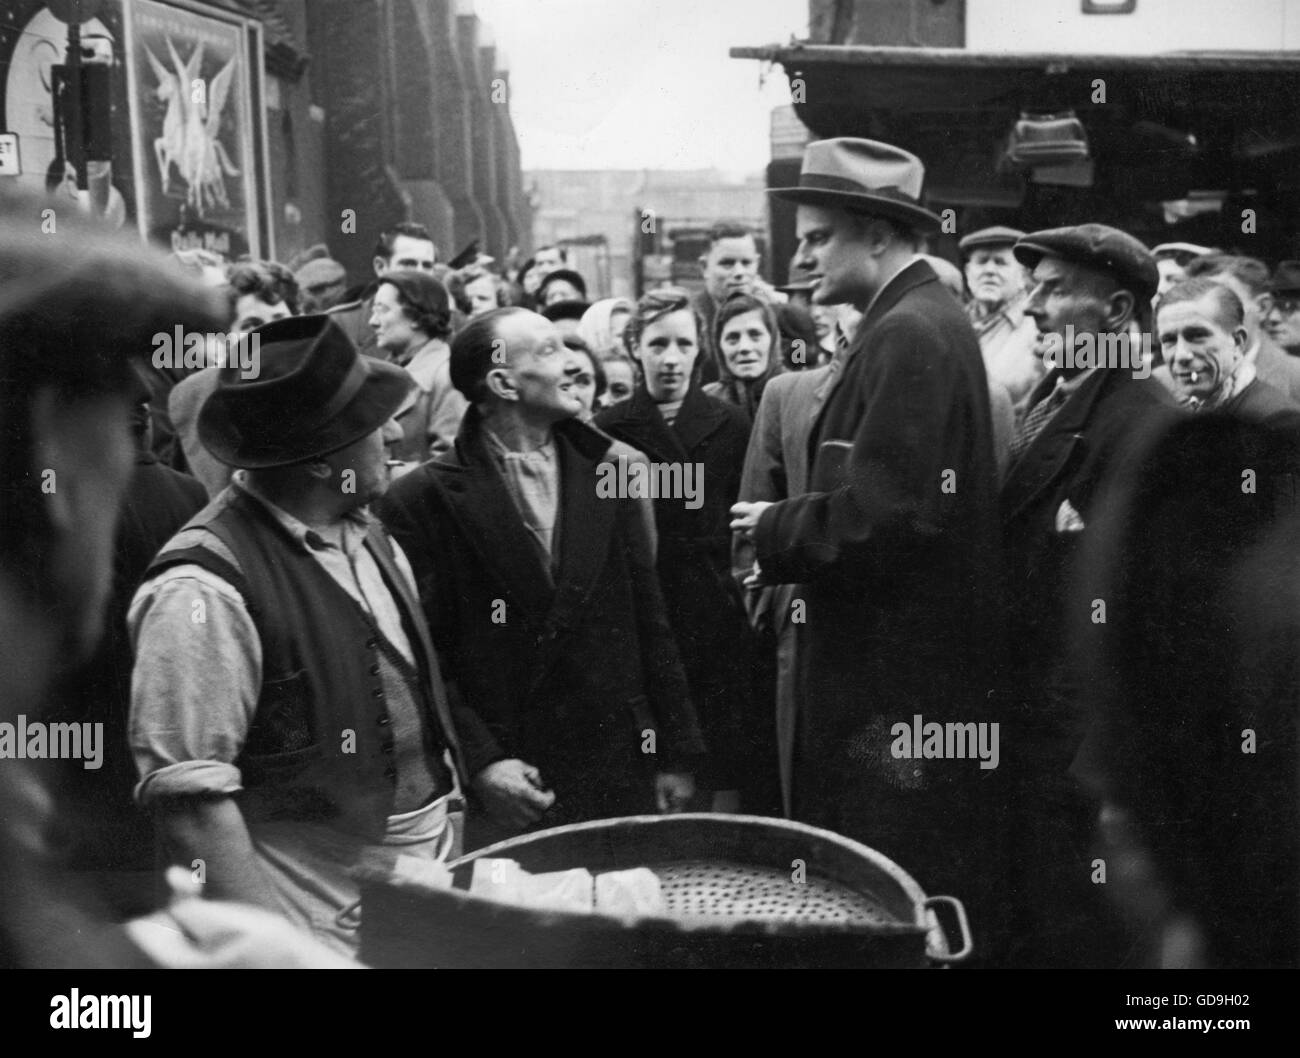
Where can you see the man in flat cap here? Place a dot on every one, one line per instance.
(1282, 321)
(288, 718)
(1172, 259)
(895, 540)
(1089, 283)
(997, 310)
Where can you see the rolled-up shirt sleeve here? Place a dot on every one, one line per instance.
(194, 687)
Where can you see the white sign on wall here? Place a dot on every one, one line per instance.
(10, 163)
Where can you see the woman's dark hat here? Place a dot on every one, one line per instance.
(863, 176)
(308, 393)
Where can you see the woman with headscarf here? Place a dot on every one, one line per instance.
(748, 339)
(603, 324)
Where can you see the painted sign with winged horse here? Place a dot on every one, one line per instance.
(190, 140)
(195, 98)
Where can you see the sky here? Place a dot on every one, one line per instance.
(642, 84)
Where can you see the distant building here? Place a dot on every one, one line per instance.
(612, 220)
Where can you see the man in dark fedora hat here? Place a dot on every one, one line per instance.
(288, 718)
(895, 539)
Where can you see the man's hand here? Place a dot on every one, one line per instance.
(745, 516)
(673, 791)
(513, 793)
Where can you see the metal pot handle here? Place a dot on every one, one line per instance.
(967, 944)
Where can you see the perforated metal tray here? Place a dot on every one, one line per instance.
(739, 890)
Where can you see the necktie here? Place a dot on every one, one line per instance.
(1035, 422)
(838, 360)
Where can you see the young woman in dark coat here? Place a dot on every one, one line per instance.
(697, 443)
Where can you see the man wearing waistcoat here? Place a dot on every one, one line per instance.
(288, 718)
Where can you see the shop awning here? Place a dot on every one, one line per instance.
(1171, 121)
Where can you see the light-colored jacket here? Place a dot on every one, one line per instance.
(431, 417)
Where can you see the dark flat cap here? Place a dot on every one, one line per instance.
(995, 236)
(1099, 247)
(1286, 280)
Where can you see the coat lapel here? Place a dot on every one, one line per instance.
(911, 277)
(642, 426)
(1031, 473)
(697, 419)
(493, 524)
(587, 521)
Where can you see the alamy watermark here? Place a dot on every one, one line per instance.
(1081, 350)
(637, 480)
(951, 741)
(180, 349)
(92, 1011)
(38, 740)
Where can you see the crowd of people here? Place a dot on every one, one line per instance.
(464, 554)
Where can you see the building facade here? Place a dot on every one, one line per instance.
(620, 226)
(266, 126)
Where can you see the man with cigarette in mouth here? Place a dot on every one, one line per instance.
(1201, 330)
(288, 718)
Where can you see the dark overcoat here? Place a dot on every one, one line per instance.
(1072, 461)
(1052, 493)
(566, 670)
(896, 544)
(704, 603)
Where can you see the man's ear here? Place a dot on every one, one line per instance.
(1120, 307)
(1241, 338)
(380, 265)
(501, 384)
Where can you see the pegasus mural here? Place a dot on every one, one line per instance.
(189, 141)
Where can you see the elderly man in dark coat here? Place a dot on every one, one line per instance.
(542, 597)
(896, 538)
(1088, 283)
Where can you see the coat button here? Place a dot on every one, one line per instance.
(377, 693)
(389, 749)
(374, 670)
(371, 643)
(390, 773)
(383, 721)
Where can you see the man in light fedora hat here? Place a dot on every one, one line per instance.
(895, 541)
(288, 718)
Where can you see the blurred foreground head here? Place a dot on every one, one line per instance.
(77, 305)
(1197, 676)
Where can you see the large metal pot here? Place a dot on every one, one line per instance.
(742, 891)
